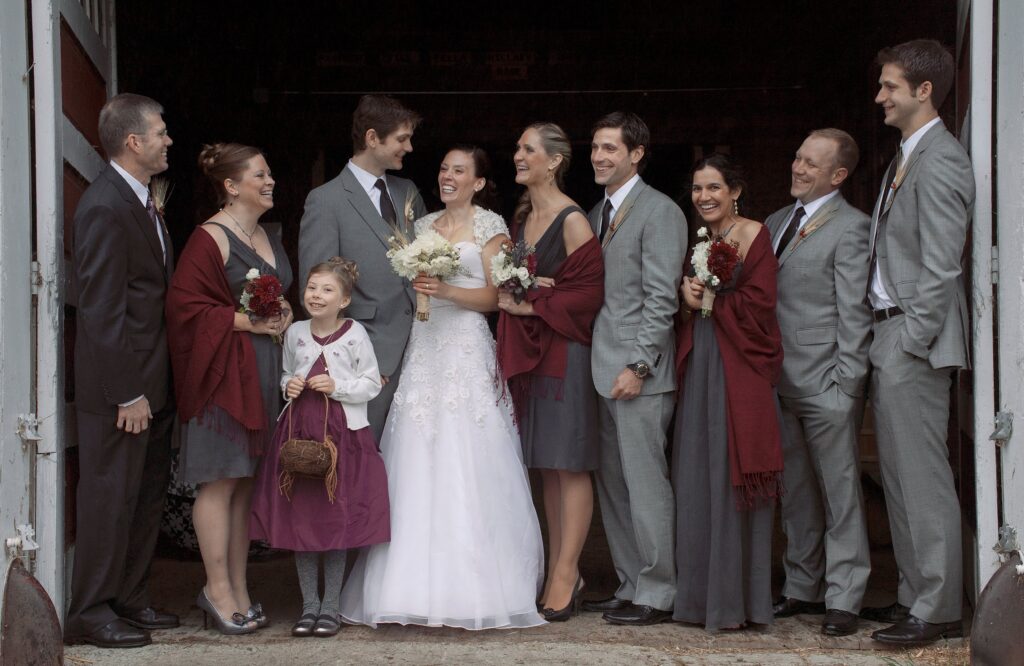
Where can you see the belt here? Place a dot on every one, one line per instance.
(888, 313)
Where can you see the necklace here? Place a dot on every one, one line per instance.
(248, 234)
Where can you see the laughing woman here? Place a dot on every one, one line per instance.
(226, 372)
(727, 454)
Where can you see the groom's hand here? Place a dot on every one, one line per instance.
(627, 385)
(135, 417)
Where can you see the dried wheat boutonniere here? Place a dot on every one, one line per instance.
(160, 189)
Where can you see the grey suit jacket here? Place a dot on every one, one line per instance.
(920, 245)
(643, 262)
(825, 323)
(340, 220)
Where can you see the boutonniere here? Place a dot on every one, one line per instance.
(617, 221)
(810, 228)
(160, 189)
(410, 211)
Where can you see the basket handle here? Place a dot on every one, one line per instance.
(327, 413)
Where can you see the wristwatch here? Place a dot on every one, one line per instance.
(640, 369)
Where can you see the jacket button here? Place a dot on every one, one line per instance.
(408, 311)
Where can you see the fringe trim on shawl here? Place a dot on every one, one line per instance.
(215, 419)
(758, 488)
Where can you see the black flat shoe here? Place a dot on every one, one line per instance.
(638, 616)
(326, 625)
(304, 627)
(839, 623)
(605, 605)
(114, 634)
(787, 607)
(151, 618)
(915, 632)
(887, 614)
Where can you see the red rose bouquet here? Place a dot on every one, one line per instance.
(262, 297)
(714, 260)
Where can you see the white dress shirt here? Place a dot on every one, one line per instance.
(809, 210)
(878, 296)
(620, 196)
(369, 183)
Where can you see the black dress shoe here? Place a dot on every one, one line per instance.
(638, 616)
(839, 623)
(788, 606)
(915, 632)
(605, 605)
(151, 618)
(887, 614)
(114, 634)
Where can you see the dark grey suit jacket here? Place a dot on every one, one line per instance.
(119, 285)
(340, 220)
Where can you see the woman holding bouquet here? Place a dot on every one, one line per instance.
(727, 456)
(465, 546)
(544, 353)
(227, 365)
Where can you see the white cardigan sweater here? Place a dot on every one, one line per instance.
(351, 363)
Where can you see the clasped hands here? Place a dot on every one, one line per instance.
(692, 291)
(507, 302)
(321, 383)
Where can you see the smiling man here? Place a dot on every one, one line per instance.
(919, 306)
(353, 215)
(643, 235)
(820, 243)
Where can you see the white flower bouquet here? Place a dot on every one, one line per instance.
(514, 268)
(429, 254)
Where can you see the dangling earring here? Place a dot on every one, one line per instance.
(735, 207)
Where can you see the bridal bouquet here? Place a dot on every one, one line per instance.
(714, 261)
(429, 254)
(514, 268)
(262, 297)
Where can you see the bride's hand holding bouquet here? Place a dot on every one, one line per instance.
(428, 256)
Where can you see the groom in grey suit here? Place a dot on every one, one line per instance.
(353, 216)
(821, 242)
(919, 304)
(643, 234)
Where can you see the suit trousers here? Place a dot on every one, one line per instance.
(121, 491)
(827, 554)
(910, 400)
(637, 504)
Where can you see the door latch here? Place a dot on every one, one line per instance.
(23, 543)
(1004, 428)
(28, 428)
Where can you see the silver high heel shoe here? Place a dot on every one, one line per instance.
(256, 614)
(236, 625)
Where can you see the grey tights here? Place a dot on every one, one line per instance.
(308, 566)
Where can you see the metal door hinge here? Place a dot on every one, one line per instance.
(23, 543)
(36, 277)
(28, 428)
(1004, 428)
(995, 264)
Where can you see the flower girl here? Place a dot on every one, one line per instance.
(330, 373)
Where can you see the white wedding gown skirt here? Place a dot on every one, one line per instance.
(465, 546)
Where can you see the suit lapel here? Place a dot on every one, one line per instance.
(360, 201)
(622, 214)
(820, 218)
(138, 212)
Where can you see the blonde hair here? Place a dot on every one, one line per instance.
(554, 141)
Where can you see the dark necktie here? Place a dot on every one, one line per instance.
(890, 177)
(387, 207)
(606, 217)
(790, 230)
(151, 209)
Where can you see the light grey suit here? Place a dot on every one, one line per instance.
(643, 265)
(919, 244)
(826, 331)
(341, 220)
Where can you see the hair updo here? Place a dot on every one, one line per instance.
(345, 270)
(221, 161)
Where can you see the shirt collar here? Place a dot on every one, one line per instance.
(365, 178)
(621, 193)
(811, 208)
(141, 191)
(908, 144)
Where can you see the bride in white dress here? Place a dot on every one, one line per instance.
(465, 545)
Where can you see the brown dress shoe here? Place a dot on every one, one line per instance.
(915, 632)
(788, 606)
(114, 634)
(150, 618)
(887, 614)
(839, 623)
(606, 605)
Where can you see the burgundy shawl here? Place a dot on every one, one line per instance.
(750, 343)
(214, 365)
(539, 345)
